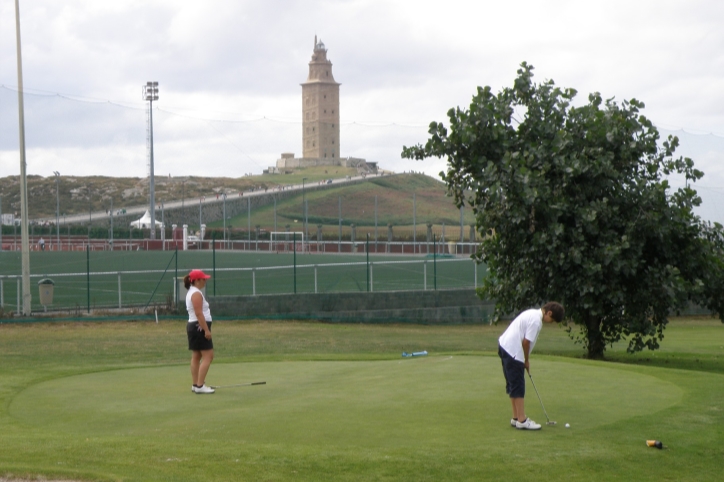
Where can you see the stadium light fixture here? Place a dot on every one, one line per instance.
(150, 93)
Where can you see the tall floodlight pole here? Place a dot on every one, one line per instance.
(150, 93)
(57, 209)
(90, 212)
(304, 207)
(183, 199)
(224, 214)
(414, 223)
(25, 241)
(111, 211)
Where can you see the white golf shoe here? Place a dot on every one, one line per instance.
(203, 389)
(528, 424)
(513, 422)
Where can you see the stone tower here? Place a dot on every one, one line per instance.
(320, 108)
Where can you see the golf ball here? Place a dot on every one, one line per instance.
(568, 425)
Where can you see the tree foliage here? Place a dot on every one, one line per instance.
(574, 205)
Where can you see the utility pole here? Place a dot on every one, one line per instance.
(25, 246)
(57, 209)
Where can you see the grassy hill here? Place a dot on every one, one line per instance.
(81, 194)
(394, 196)
(394, 205)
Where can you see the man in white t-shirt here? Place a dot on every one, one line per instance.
(514, 347)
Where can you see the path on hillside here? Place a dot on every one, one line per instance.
(140, 210)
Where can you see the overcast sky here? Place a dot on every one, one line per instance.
(229, 75)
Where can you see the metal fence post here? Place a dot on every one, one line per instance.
(295, 261)
(372, 283)
(434, 262)
(175, 278)
(424, 271)
(253, 281)
(367, 249)
(87, 258)
(476, 273)
(315, 278)
(119, 290)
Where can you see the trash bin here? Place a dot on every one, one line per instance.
(46, 286)
(182, 291)
(451, 247)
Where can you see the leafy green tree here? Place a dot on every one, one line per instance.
(574, 205)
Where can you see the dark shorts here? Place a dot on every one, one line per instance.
(197, 340)
(514, 372)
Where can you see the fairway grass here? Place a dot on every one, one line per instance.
(113, 402)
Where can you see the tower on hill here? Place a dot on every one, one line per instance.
(320, 108)
(320, 121)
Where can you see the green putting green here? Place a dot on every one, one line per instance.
(113, 402)
(456, 400)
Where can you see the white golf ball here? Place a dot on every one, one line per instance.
(568, 425)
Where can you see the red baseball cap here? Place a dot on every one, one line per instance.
(197, 274)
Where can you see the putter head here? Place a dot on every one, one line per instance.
(551, 422)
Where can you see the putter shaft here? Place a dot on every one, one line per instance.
(239, 385)
(549, 421)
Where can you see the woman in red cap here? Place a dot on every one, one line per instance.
(198, 330)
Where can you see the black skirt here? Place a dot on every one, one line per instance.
(197, 340)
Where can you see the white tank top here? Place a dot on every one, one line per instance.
(190, 307)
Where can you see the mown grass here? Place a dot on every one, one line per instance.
(110, 401)
(395, 205)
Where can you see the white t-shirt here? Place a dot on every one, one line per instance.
(526, 325)
(190, 306)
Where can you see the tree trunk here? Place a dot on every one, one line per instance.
(594, 339)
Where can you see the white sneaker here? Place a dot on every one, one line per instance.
(513, 422)
(204, 389)
(527, 425)
(193, 388)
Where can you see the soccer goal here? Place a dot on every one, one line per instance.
(287, 241)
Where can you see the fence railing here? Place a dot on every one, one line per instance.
(361, 246)
(103, 289)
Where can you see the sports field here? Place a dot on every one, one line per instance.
(112, 401)
(107, 279)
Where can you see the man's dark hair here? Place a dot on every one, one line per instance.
(555, 308)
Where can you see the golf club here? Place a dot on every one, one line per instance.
(549, 422)
(239, 385)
